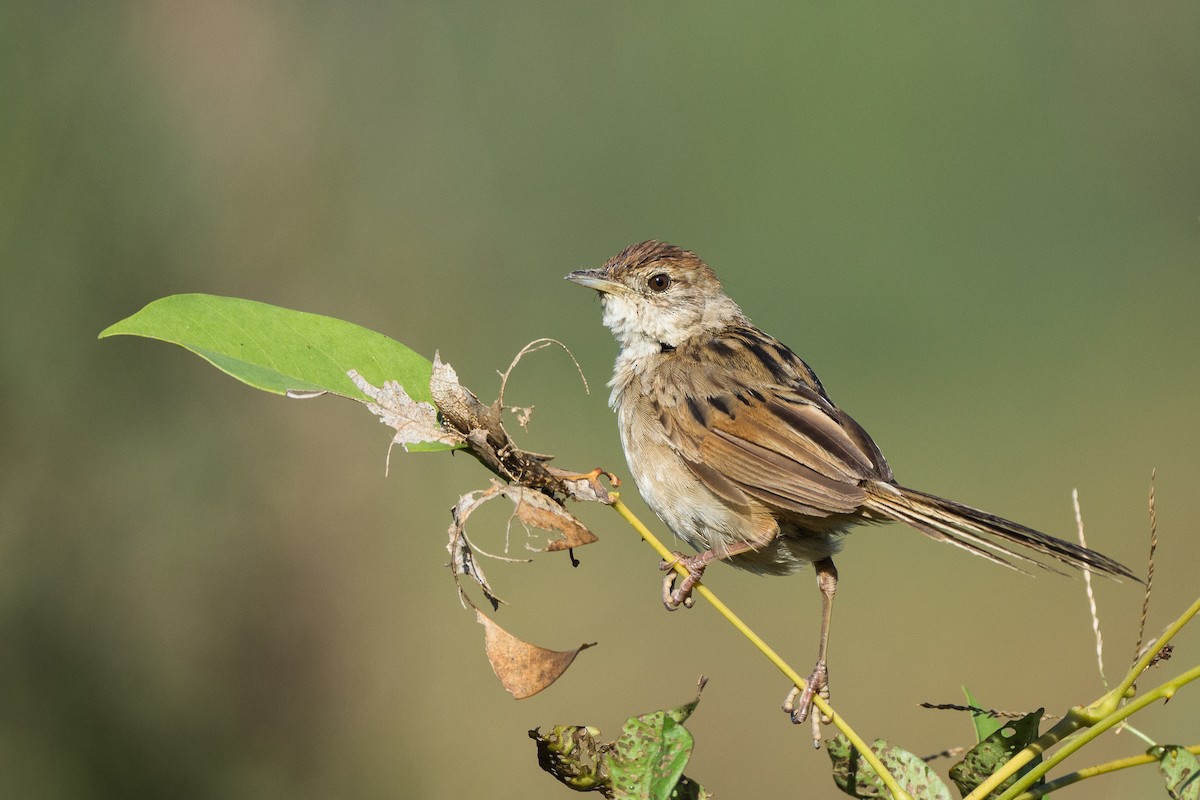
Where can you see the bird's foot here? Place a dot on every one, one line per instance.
(675, 596)
(799, 703)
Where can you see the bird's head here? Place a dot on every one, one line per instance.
(658, 296)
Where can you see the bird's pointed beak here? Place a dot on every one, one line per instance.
(594, 279)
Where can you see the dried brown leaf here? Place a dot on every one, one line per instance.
(531, 508)
(523, 668)
(458, 403)
(536, 509)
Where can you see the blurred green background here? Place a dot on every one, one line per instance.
(978, 223)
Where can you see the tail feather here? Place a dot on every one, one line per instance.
(983, 534)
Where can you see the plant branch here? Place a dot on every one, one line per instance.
(822, 705)
(1163, 692)
(1092, 772)
(1108, 703)
(1097, 718)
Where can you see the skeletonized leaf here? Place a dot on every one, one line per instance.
(414, 422)
(993, 752)
(523, 668)
(855, 777)
(585, 487)
(1180, 769)
(455, 400)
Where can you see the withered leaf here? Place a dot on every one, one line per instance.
(523, 668)
(482, 431)
(414, 422)
(531, 508)
(534, 508)
(573, 755)
(456, 401)
(462, 556)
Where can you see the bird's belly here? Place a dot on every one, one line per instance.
(698, 517)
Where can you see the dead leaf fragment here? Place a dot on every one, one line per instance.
(524, 669)
(462, 554)
(459, 404)
(482, 430)
(413, 421)
(574, 756)
(531, 508)
(534, 508)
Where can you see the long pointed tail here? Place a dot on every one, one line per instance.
(981, 533)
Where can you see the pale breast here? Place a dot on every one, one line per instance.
(693, 512)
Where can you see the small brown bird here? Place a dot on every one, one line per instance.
(734, 443)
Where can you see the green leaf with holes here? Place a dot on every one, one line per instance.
(855, 777)
(994, 751)
(1180, 770)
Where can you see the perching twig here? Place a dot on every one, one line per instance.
(822, 705)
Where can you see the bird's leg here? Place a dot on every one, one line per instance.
(675, 596)
(818, 682)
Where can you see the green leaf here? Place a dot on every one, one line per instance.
(994, 751)
(985, 724)
(1180, 769)
(649, 757)
(855, 777)
(645, 763)
(279, 350)
(276, 349)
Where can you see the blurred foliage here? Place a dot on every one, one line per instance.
(978, 223)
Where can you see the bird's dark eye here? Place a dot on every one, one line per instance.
(659, 282)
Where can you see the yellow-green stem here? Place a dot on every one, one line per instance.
(1163, 692)
(791, 674)
(1092, 772)
(1091, 717)
(1109, 702)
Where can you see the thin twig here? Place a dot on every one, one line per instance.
(1101, 715)
(953, 752)
(1092, 772)
(1163, 692)
(987, 712)
(822, 705)
(532, 347)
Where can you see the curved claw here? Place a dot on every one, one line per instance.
(674, 596)
(799, 703)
